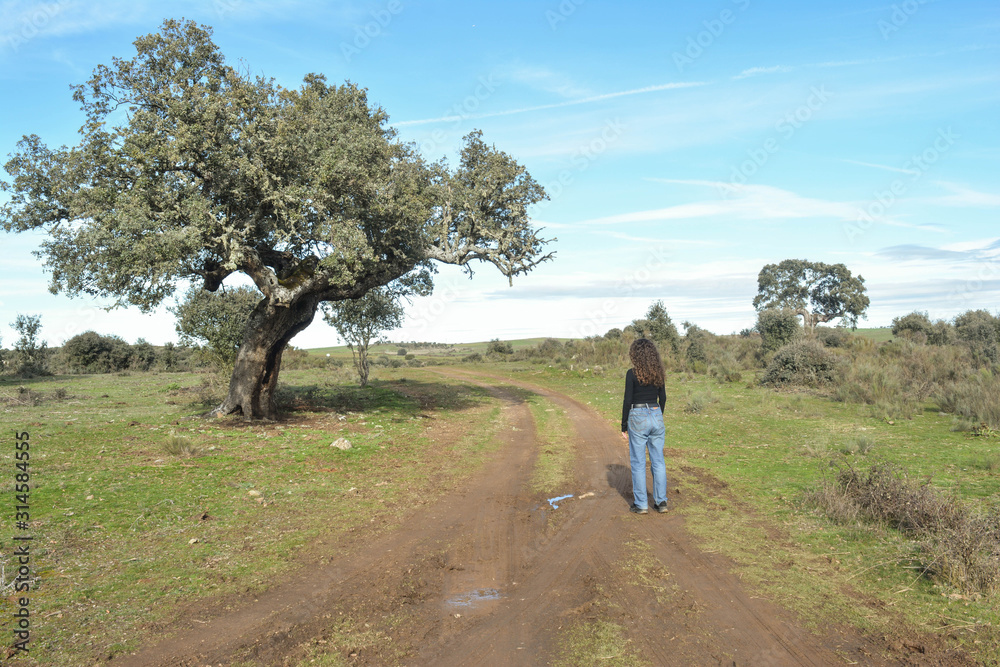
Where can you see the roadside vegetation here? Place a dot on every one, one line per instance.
(851, 476)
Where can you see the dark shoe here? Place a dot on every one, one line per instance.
(661, 507)
(635, 509)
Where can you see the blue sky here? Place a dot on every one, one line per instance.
(684, 145)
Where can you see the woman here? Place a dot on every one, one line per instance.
(642, 423)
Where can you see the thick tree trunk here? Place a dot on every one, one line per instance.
(255, 376)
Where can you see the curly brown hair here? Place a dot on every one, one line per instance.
(646, 362)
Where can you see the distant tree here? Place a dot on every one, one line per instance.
(777, 328)
(169, 357)
(981, 332)
(658, 326)
(361, 321)
(30, 356)
(216, 319)
(697, 340)
(143, 355)
(191, 170)
(916, 326)
(829, 290)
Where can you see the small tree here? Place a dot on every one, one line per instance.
(658, 326)
(30, 354)
(981, 332)
(829, 290)
(915, 326)
(189, 169)
(777, 328)
(216, 319)
(360, 321)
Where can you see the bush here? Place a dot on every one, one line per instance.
(91, 352)
(499, 347)
(960, 543)
(777, 328)
(975, 399)
(980, 331)
(916, 326)
(804, 362)
(833, 336)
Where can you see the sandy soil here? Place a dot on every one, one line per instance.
(490, 574)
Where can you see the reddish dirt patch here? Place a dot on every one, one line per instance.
(490, 575)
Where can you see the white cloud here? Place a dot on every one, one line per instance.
(541, 107)
(964, 196)
(756, 71)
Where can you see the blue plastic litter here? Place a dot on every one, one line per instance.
(553, 501)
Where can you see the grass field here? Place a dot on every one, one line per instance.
(139, 507)
(770, 449)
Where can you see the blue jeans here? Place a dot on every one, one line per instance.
(646, 432)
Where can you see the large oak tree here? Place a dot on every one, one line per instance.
(818, 292)
(189, 170)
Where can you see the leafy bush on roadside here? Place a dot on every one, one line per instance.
(976, 398)
(804, 362)
(777, 328)
(960, 542)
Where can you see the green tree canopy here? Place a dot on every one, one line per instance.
(188, 169)
(818, 292)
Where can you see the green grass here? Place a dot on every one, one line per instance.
(452, 352)
(879, 335)
(138, 505)
(596, 642)
(770, 449)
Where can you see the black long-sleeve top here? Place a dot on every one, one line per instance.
(640, 393)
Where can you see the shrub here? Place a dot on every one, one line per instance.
(401, 352)
(960, 543)
(980, 331)
(916, 326)
(833, 336)
(697, 340)
(91, 352)
(499, 347)
(804, 362)
(777, 328)
(975, 399)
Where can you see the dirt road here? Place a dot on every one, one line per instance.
(492, 574)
